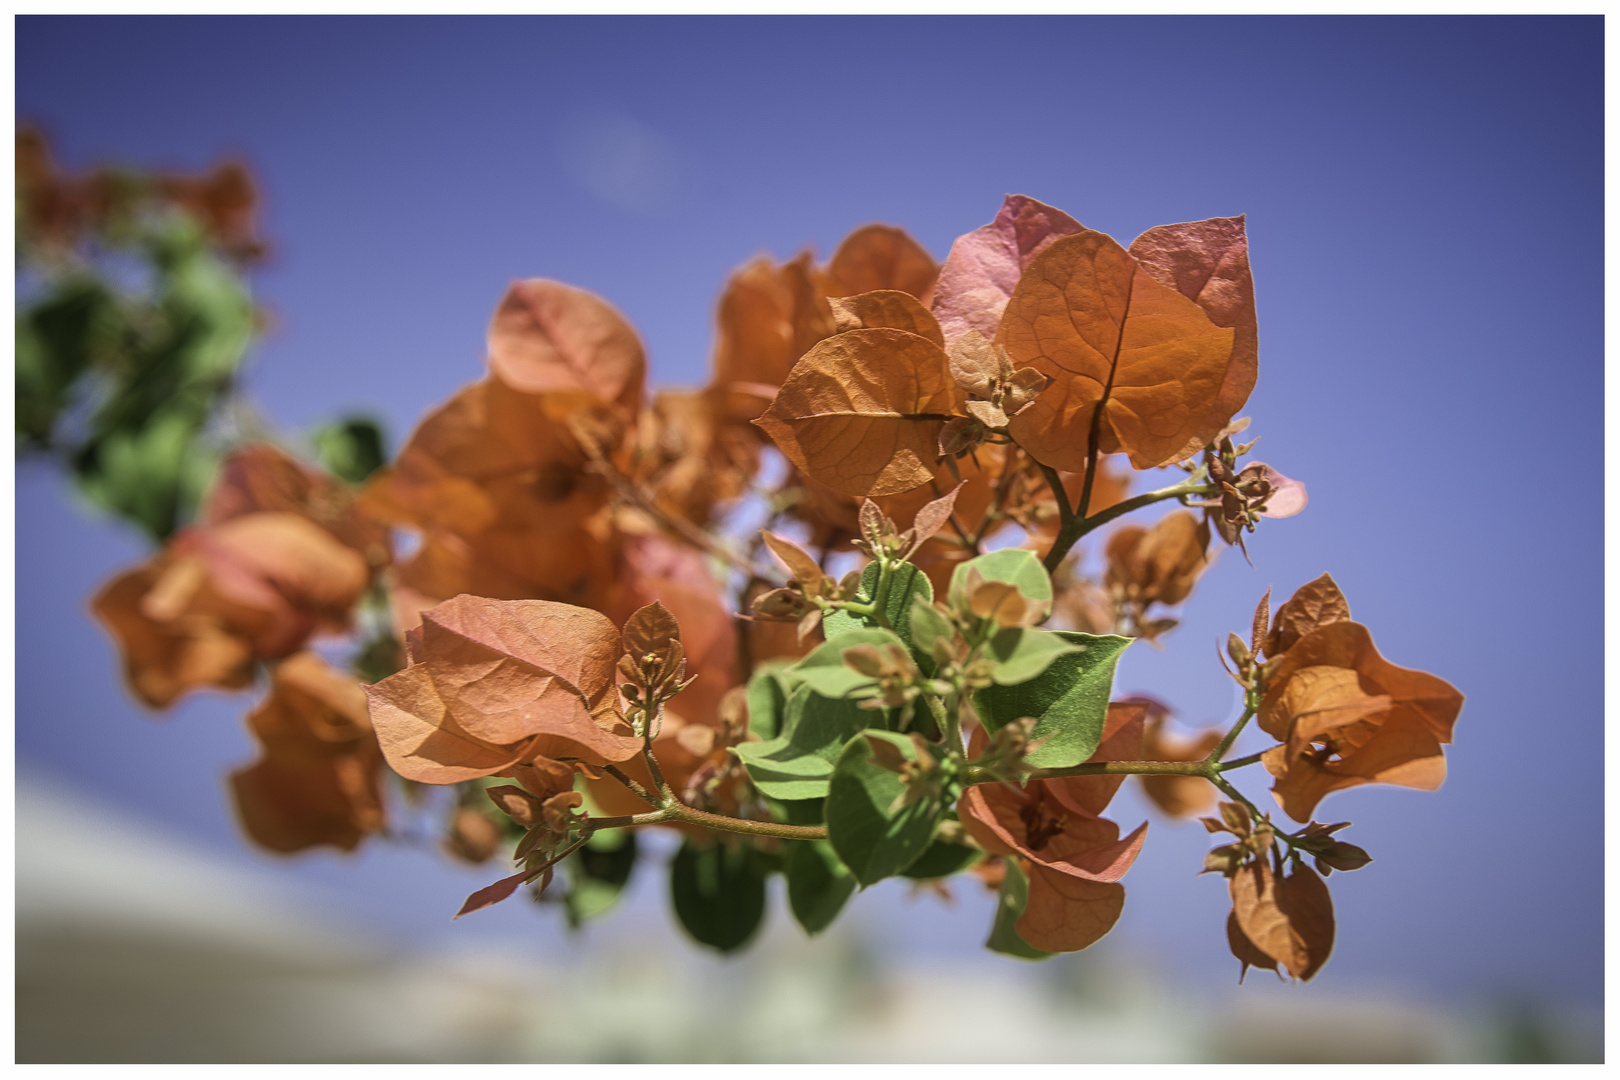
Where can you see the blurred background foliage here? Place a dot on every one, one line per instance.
(134, 317)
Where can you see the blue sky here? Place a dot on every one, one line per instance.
(1425, 210)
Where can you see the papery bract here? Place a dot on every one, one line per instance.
(1346, 716)
(548, 337)
(316, 782)
(984, 266)
(1208, 262)
(1115, 340)
(861, 412)
(494, 683)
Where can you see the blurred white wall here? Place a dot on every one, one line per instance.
(134, 947)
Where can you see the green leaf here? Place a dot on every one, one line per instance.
(928, 624)
(817, 883)
(906, 583)
(352, 448)
(942, 859)
(1016, 565)
(1009, 906)
(798, 763)
(872, 834)
(825, 672)
(1069, 700)
(797, 811)
(719, 893)
(1022, 654)
(600, 870)
(767, 700)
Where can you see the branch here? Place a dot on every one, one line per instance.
(679, 812)
(638, 497)
(1074, 527)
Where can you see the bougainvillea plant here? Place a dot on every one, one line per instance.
(824, 617)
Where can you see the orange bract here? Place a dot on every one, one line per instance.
(1346, 716)
(493, 683)
(1288, 920)
(317, 778)
(1112, 338)
(548, 337)
(1075, 857)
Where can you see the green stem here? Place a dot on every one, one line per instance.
(635, 789)
(1237, 729)
(880, 595)
(1235, 795)
(1075, 526)
(679, 812)
(953, 721)
(1238, 763)
(1210, 770)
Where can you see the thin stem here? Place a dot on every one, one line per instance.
(1059, 492)
(1093, 444)
(649, 719)
(1076, 527)
(1237, 729)
(678, 812)
(640, 792)
(641, 500)
(1234, 794)
(1238, 763)
(953, 721)
(977, 775)
(997, 511)
(880, 595)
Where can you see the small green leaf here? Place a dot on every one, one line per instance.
(1009, 907)
(1069, 700)
(352, 448)
(1016, 565)
(719, 893)
(873, 835)
(798, 763)
(767, 700)
(817, 883)
(906, 583)
(942, 859)
(600, 871)
(927, 625)
(825, 672)
(1022, 654)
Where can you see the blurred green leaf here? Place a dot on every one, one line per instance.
(719, 893)
(351, 448)
(1016, 565)
(1009, 907)
(818, 885)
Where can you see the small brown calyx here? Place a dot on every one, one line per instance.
(1004, 754)
(654, 661)
(923, 774)
(881, 538)
(1254, 839)
(899, 680)
(986, 372)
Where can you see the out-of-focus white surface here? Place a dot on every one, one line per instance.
(133, 947)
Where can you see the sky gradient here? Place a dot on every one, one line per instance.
(1425, 218)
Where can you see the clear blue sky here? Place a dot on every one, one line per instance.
(1425, 212)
